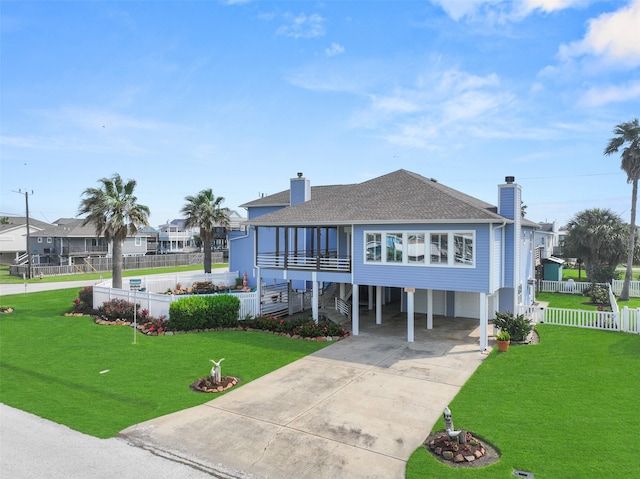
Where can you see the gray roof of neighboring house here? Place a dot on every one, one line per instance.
(72, 228)
(17, 221)
(398, 197)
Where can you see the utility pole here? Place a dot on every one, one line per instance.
(26, 199)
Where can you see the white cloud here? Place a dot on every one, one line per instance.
(551, 5)
(612, 94)
(458, 9)
(303, 26)
(614, 37)
(334, 49)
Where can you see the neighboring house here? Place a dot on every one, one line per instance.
(173, 237)
(13, 237)
(435, 249)
(546, 242)
(67, 242)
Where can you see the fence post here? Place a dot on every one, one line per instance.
(624, 326)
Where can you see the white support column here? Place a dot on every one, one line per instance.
(370, 295)
(484, 322)
(429, 309)
(342, 290)
(410, 314)
(378, 304)
(355, 317)
(315, 297)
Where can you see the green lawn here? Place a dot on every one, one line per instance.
(565, 408)
(50, 365)
(578, 301)
(6, 278)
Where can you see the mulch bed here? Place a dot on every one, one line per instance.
(206, 384)
(478, 453)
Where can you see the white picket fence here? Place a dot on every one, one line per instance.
(578, 287)
(627, 320)
(158, 304)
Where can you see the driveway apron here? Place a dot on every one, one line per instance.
(356, 409)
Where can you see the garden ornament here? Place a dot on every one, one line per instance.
(215, 370)
(459, 436)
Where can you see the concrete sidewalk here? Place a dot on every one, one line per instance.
(356, 409)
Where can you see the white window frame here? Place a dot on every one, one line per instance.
(39, 239)
(49, 240)
(452, 262)
(138, 241)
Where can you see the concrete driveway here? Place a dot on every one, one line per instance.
(356, 409)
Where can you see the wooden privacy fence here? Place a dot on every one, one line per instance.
(625, 320)
(94, 265)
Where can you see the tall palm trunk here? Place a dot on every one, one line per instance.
(206, 244)
(624, 295)
(116, 270)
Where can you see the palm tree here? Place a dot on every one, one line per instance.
(628, 135)
(597, 236)
(114, 211)
(205, 211)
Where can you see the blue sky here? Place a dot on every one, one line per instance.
(239, 96)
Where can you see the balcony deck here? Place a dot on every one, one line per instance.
(299, 261)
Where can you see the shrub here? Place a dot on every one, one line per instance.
(597, 293)
(84, 302)
(204, 312)
(156, 325)
(518, 327)
(117, 309)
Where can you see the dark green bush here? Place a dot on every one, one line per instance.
(204, 312)
(518, 327)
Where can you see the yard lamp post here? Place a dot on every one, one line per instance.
(26, 199)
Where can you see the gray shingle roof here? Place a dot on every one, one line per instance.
(398, 197)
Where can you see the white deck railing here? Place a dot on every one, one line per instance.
(301, 261)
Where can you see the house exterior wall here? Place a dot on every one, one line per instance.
(451, 278)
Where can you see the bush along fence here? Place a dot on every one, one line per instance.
(203, 313)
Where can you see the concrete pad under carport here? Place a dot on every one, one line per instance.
(356, 409)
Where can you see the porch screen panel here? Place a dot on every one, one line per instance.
(374, 247)
(439, 248)
(416, 248)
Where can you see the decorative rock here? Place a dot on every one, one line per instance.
(448, 455)
(438, 450)
(469, 458)
(458, 458)
(478, 454)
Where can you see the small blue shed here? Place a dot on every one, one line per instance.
(552, 269)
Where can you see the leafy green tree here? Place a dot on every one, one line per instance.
(205, 211)
(114, 211)
(628, 138)
(598, 237)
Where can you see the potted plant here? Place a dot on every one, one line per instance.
(503, 338)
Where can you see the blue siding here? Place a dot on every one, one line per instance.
(425, 277)
(300, 191)
(241, 255)
(507, 201)
(254, 212)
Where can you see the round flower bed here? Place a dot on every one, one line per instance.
(472, 454)
(208, 385)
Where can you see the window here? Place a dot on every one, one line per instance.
(415, 248)
(138, 241)
(394, 247)
(445, 248)
(374, 247)
(463, 248)
(49, 240)
(439, 248)
(39, 239)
